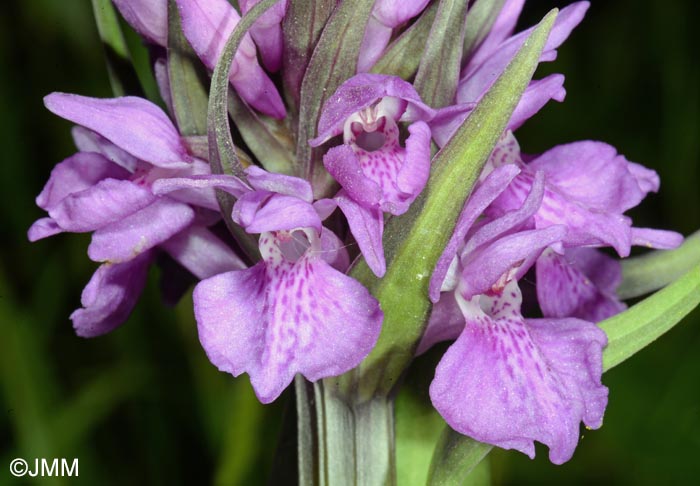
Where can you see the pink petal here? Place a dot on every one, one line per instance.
(110, 296)
(508, 382)
(207, 24)
(133, 124)
(43, 228)
(89, 141)
(148, 17)
(141, 231)
(77, 173)
(202, 253)
(280, 318)
(108, 201)
(367, 226)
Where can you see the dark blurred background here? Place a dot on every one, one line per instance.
(144, 406)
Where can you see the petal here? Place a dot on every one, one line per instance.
(108, 201)
(502, 28)
(110, 296)
(478, 201)
(413, 175)
(361, 91)
(377, 37)
(483, 270)
(267, 32)
(393, 13)
(75, 174)
(133, 124)
(205, 182)
(148, 17)
(585, 227)
(343, 164)
(333, 251)
(43, 228)
(207, 24)
(89, 141)
(367, 226)
(536, 95)
(580, 285)
(654, 238)
(277, 319)
(202, 253)
(279, 183)
(446, 323)
(141, 231)
(447, 121)
(280, 213)
(160, 71)
(479, 74)
(593, 174)
(509, 382)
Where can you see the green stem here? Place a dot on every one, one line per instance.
(652, 271)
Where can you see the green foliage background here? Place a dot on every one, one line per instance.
(144, 406)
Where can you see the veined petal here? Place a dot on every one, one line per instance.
(208, 24)
(141, 231)
(580, 284)
(77, 173)
(508, 382)
(343, 164)
(367, 226)
(133, 124)
(107, 201)
(110, 296)
(280, 318)
(202, 253)
(148, 17)
(446, 323)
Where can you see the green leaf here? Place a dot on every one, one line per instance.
(307, 435)
(334, 60)
(402, 57)
(455, 456)
(187, 89)
(656, 269)
(301, 28)
(480, 19)
(222, 151)
(414, 242)
(438, 73)
(268, 139)
(122, 75)
(638, 326)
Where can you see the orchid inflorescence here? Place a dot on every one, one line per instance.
(323, 204)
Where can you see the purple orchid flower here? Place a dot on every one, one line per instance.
(588, 188)
(491, 57)
(294, 311)
(207, 24)
(126, 144)
(386, 16)
(508, 380)
(377, 175)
